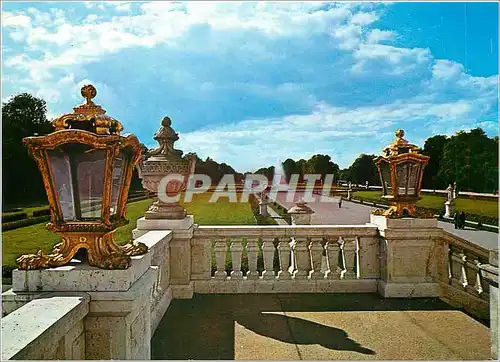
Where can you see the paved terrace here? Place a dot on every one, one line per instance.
(329, 213)
(317, 327)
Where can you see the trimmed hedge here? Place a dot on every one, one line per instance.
(41, 212)
(25, 222)
(283, 212)
(14, 217)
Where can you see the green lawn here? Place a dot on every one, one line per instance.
(478, 207)
(31, 238)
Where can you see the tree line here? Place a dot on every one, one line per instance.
(468, 158)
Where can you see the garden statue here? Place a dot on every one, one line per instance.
(450, 203)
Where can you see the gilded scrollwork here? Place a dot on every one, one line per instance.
(94, 236)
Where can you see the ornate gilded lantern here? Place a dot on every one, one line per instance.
(86, 168)
(166, 161)
(401, 170)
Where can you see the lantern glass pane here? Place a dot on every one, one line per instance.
(402, 178)
(386, 178)
(119, 165)
(90, 168)
(63, 183)
(413, 169)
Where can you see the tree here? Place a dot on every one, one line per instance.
(471, 160)
(363, 169)
(433, 148)
(321, 164)
(290, 168)
(23, 115)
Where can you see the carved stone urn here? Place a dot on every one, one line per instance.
(165, 161)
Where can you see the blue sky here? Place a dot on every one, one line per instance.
(249, 83)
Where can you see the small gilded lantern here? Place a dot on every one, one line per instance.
(86, 167)
(401, 170)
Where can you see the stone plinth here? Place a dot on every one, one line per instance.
(263, 209)
(118, 325)
(180, 251)
(449, 208)
(77, 276)
(410, 251)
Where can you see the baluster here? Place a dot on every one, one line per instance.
(458, 268)
(268, 256)
(449, 262)
(333, 255)
(293, 260)
(220, 259)
(479, 279)
(302, 258)
(285, 255)
(473, 276)
(349, 248)
(253, 253)
(316, 251)
(236, 253)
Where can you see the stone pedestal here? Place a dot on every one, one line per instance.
(349, 194)
(117, 325)
(490, 274)
(300, 215)
(409, 252)
(449, 208)
(263, 209)
(180, 251)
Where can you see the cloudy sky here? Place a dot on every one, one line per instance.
(248, 83)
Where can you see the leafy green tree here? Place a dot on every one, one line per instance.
(471, 160)
(363, 169)
(290, 167)
(321, 164)
(23, 115)
(433, 148)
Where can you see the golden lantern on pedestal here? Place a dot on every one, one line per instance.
(86, 168)
(401, 170)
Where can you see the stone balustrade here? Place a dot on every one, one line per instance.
(51, 328)
(117, 312)
(460, 277)
(288, 259)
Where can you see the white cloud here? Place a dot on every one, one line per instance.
(364, 18)
(377, 35)
(15, 20)
(447, 98)
(389, 59)
(342, 132)
(447, 69)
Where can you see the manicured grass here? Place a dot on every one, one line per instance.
(31, 238)
(478, 207)
(221, 212)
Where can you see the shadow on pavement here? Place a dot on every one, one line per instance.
(203, 327)
(279, 326)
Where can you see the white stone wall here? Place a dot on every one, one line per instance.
(51, 328)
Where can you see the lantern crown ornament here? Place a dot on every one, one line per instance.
(86, 168)
(88, 116)
(401, 170)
